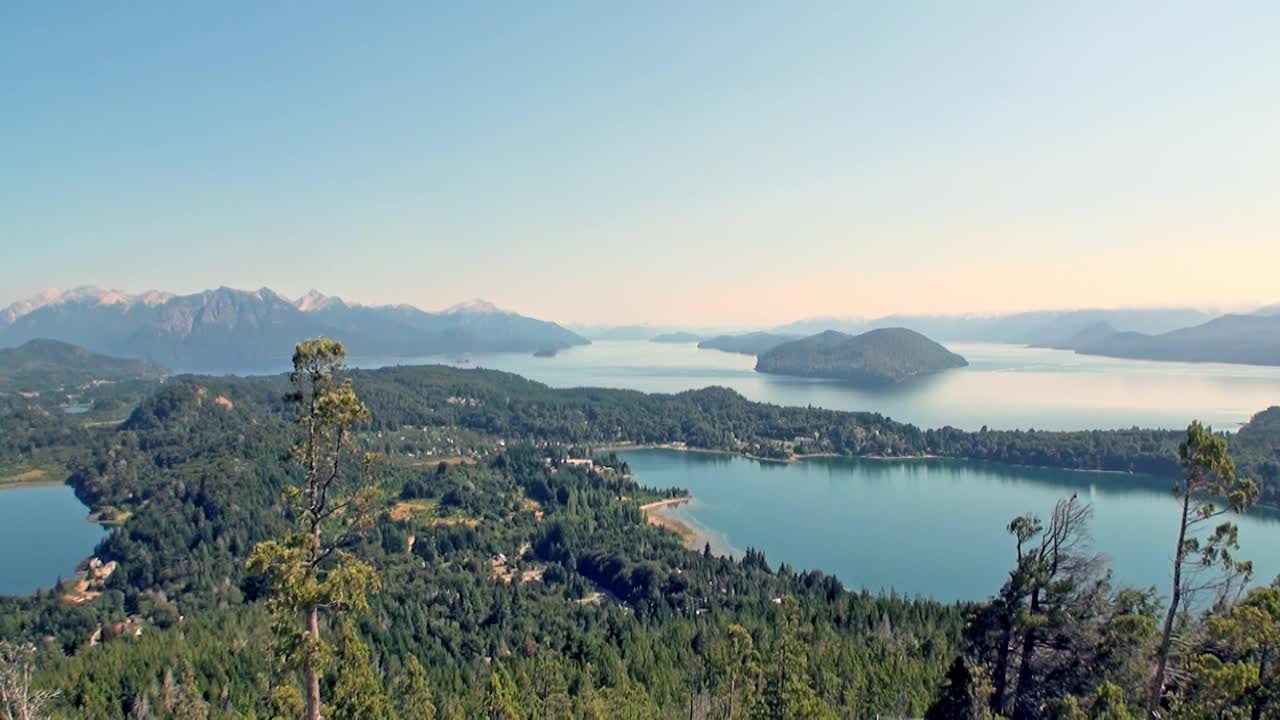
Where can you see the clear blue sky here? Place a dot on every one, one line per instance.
(717, 162)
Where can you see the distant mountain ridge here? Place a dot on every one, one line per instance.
(753, 343)
(675, 337)
(1242, 339)
(884, 356)
(1173, 334)
(1073, 337)
(225, 329)
(1043, 327)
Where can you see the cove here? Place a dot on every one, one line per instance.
(930, 527)
(44, 534)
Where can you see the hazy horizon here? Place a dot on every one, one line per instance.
(726, 164)
(657, 323)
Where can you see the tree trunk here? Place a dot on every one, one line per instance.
(1024, 663)
(1166, 639)
(733, 694)
(1255, 713)
(313, 630)
(1000, 679)
(313, 673)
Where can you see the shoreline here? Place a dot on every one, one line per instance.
(879, 458)
(35, 477)
(687, 533)
(681, 447)
(19, 484)
(666, 503)
(897, 458)
(694, 538)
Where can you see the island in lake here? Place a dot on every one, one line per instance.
(675, 337)
(880, 357)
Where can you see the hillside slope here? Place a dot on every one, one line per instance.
(40, 365)
(1244, 339)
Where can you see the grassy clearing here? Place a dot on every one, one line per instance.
(406, 509)
(32, 475)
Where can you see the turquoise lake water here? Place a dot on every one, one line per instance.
(43, 536)
(924, 527)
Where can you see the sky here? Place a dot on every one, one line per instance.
(669, 162)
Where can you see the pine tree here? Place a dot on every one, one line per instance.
(789, 694)
(357, 693)
(188, 703)
(1209, 474)
(740, 671)
(415, 700)
(500, 699)
(550, 688)
(1235, 663)
(308, 570)
(964, 695)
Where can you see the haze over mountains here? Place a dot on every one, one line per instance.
(1244, 339)
(1031, 328)
(226, 329)
(1174, 334)
(753, 343)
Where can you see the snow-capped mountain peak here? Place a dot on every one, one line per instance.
(475, 306)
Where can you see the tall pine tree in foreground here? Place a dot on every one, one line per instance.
(310, 571)
(1202, 564)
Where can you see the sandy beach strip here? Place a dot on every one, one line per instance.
(666, 503)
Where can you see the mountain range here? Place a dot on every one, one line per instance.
(1166, 334)
(1245, 339)
(225, 329)
(1044, 327)
(676, 337)
(1172, 334)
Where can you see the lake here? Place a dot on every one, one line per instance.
(923, 527)
(44, 534)
(1004, 387)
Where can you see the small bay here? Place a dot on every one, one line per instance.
(928, 527)
(44, 534)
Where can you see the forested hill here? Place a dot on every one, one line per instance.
(878, 357)
(46, 365)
